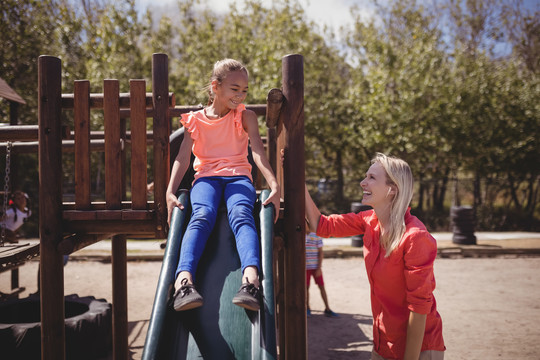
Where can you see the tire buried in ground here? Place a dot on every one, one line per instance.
(88, 327)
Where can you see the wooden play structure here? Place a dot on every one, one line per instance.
(66, 227)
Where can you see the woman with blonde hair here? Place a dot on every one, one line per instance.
(399, 254)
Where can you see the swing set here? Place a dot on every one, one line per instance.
(12, 255)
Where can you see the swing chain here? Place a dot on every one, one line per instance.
(6, 190)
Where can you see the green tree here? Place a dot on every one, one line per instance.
(497, 99)
(401, 84)
(25, 26)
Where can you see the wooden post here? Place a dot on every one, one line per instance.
(50, 208)
(81, 112)
(291, 140)
(160, 97)
(120, 303)
(113, 148)
(113, 198)
(13, 113)
(13, 179)
(274, 102)
(138, 144)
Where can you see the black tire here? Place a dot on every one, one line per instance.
(357, 241)
(464, 239)
(463, 222)
(357, 207)
(464, 229)
(458, 210)
(88, 328)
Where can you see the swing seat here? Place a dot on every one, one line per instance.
(14, 255)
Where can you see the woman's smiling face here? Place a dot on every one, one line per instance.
(376, 190)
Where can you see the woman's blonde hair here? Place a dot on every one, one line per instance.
(399, 175)
(222, 68)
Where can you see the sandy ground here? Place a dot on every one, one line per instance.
(490, 306)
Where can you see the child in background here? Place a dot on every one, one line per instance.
(16, 214)
(314, 258)
(218, 135)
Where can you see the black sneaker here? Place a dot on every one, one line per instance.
(248, 297)
(186, 297)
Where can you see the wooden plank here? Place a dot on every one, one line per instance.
(162, 130)
(97, 134)
(79, 215)
(76, 215)
(97, 102)
(113, 147)
(177, 111)
(78, 241)
(126, 113)
(110, 226)
(271, 149)
(82, 143)
(108, 214)
(19, 132)
(100, 205)
(137, 214)
(123, 157)
(50, 208)
(68, 146)
(292, 113)
(274, 101)
(138, 144)
(25, 133)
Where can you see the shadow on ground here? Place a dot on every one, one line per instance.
(345, 337)
(137, 336)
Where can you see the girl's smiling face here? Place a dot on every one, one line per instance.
(19, 199)
(375, 187)
(232, 91)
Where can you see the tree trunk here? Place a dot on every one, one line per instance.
(439, 205)
(338, 166)
(421, 189)
(477, 191)
(513, 191)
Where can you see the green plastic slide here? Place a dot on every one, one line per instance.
(219, 329)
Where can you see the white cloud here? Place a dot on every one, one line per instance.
(333, 13)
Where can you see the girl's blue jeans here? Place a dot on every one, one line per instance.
(206, 194)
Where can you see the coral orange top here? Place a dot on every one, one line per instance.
(220, 146)
(400, 283)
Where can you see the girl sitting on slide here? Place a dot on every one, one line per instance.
(218, 135)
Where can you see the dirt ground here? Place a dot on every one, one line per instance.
(490, 306)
